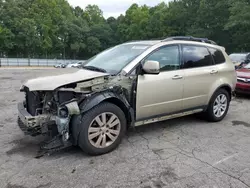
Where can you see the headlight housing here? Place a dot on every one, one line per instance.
(63, 112)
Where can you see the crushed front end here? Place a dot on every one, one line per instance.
(55, 109)
(48, 113)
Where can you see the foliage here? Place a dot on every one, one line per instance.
(54, 29)
(238, 24)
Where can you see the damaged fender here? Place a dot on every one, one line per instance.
(93, 101)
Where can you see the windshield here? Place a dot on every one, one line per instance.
(113, 60)
(237, 57)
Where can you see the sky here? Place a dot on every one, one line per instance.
(113, 7)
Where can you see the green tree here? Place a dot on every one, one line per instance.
(6, 37)
(94, 46)
(211, 18)
(238, 25)
(93, 14)
(54, 29)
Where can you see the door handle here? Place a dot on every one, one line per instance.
(177, 77)
(213, 72)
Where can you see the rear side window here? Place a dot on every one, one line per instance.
(196, 56)
(217, 56)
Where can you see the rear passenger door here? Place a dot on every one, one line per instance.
(200, 73)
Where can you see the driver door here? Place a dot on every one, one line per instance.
(161, 94)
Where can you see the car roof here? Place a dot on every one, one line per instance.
(144, 42)
(179, 40)
(194, 43)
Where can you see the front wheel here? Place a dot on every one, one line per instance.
(102, 129)
(218, 106)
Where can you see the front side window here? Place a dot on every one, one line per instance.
(217, 56)
(168, 57)
(196, 56)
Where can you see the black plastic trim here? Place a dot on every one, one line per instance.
(177, 112)
(190, 38)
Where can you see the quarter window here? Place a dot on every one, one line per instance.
(217, 56)
(196, 56)
(168, 57)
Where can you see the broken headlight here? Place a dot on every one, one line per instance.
(63, 112)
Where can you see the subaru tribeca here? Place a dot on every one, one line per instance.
(129, 85)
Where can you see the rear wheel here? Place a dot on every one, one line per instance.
(218, 106)
(102, 129)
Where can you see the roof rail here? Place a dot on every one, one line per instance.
(189, 38)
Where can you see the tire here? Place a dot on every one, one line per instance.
(213, 115)
(89, 123)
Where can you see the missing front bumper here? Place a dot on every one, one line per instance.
(26, 122)
(32, 125)
(26, 130)
(42, 124)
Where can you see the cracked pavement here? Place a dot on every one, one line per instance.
(180, 153)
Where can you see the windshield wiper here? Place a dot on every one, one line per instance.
(95, 68)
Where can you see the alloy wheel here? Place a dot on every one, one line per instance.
(220, 105)
(104, 130)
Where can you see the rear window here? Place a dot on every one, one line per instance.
(217, 56)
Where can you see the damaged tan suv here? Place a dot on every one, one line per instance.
(129, 85)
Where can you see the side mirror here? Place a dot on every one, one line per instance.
(151, 67)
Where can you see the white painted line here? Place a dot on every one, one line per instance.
(225, 159)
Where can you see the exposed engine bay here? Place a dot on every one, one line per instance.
(50, 108)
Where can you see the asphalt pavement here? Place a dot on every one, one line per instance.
(181, 153)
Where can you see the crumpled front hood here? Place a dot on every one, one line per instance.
(60, 78)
